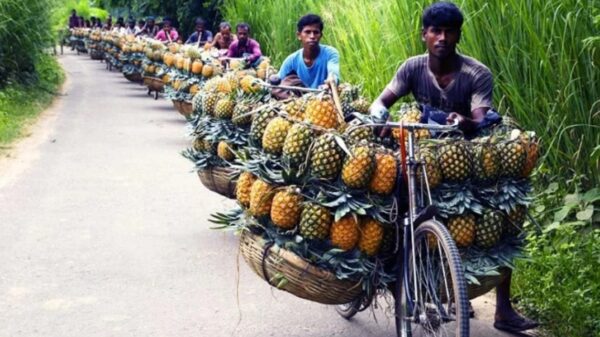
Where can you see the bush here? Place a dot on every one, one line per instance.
(560, 282)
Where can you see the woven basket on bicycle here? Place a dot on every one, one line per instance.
(219, 180)
(133, 77)
(185, 108)
(302, 279)
(154, 84)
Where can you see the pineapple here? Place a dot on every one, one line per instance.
(286, 208)
(210, 146)
(462, 229)
(428, 156)
(198, 144)
(326, 158)
(275, 134)
(295, 109)
(243, 188)
(531, 148)
(259, 124)
(355, 135)
(261, 197)
(486, 163)
(209, 100)
(388, 243)
(384, 176)
(234, 84)
(455, 161)
(239, 116)
(361, 105)
(371, 236)
(345, 233)
(513, 221)
(296, 145)
(489, 229)
(513, 156)
(410, 114)
(223, 86)
(224, 107)
(321, 112)
(248, 85)
(224, 151)
(197, 104)
(358, 168)
(315, 222)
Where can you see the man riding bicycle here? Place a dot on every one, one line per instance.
(461, 87)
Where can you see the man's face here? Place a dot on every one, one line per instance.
(242, 34)
(150, 23)
(226, 32)
(441, 41)
(200, 27)
(167, 26)
(310, 35)
(131, 24)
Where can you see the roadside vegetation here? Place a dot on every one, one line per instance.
(29, 75)
(544, 55)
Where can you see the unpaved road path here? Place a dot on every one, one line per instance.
(103, 232)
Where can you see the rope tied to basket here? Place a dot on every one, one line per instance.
(266, 249)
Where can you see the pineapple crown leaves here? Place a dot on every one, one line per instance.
(203, 160)
(233, 219)
(480, 262)
(454, 199)
(506, 194)
(262, 166)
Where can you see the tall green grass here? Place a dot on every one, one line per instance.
(545, 75)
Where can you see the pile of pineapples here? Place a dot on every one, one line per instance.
(223, 101)
(131, 54)
(152, 64)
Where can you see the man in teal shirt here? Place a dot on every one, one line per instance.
(315, 62)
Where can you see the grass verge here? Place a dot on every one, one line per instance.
(20, 104)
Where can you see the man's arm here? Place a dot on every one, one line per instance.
(398, 87)
(333, 64)
(255, 52)
(232, 49)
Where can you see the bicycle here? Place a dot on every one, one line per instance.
(430, 291)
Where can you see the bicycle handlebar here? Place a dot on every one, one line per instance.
(420, 126)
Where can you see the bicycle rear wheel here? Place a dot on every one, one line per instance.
(430, 284)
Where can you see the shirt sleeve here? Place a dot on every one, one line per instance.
(160, 35)
(333, 63)
(400, 84)
(174, 35)
(483, 86)
(286, 67)
(209, 36)
(255, 52)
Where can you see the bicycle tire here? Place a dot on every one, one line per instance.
(429, 321)
(348, 310)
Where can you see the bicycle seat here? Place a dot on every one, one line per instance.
(425, 214)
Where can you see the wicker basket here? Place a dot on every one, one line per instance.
(154, 84)
(186, 109)
(487, 283)
(303, 279)
(219, 180)
(134, 77)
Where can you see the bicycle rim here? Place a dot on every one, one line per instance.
(440, 284)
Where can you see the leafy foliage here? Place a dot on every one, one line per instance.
(560, 282)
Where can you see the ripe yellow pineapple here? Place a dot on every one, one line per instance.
(385, 174)
(248, 85)
(223, 85)
(321, 112)
(531, 148)
(295, 109)
(345, 233)
(454, 159)
(240, 115)
(358, 168)
(462, 229)
(209, 100)
(315, 222)
(286, 208)
(371, 236)
(410, 114)
(512, 156)
(486, 162)
(243, 188)
(224, 151)
(261, 196)
(274, 136)
(224, 107)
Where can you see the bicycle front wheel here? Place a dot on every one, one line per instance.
(431, 292)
